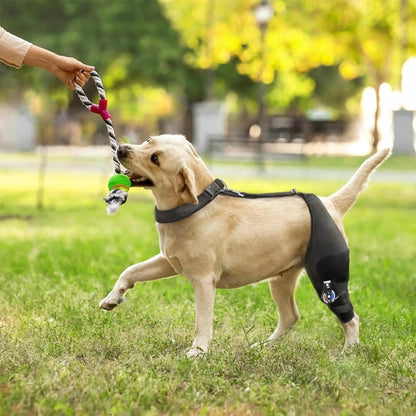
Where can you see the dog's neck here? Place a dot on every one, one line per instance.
(168, 197)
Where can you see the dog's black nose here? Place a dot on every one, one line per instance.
(122, 151)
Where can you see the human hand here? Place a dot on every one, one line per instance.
(70, 71)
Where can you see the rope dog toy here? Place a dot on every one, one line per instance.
(119, 184)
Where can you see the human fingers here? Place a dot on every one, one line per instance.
(81, 77)
(71, 84)
(86, 68)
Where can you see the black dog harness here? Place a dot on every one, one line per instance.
(327, 255)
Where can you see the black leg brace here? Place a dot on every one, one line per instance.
(327, 260)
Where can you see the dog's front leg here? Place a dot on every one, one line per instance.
(154, 268)
(204, 303)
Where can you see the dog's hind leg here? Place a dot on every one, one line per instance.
(282, 289)
(351, 331)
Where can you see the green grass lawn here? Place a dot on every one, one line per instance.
(61, 355)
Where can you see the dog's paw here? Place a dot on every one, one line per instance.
(194, 352)
(351, 343)
(352, 331)
(109, 303)
(264, 344)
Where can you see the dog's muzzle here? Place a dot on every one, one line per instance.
(123, 151)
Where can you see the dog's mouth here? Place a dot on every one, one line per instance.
(139, 180)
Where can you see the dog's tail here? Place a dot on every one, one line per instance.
(345, 197)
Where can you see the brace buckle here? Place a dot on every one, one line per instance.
(328, 295)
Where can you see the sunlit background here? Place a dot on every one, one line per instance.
(390, 101)
(301, 77)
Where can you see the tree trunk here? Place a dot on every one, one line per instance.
(376, 131)
(187, 121)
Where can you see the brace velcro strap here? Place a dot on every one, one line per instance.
(342, 307)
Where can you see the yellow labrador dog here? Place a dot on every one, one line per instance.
(230, 242)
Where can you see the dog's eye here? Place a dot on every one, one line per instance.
(154, 159)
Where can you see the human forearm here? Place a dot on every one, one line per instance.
(67, 69)
(41, 58)
(16, 52)
(12, 49)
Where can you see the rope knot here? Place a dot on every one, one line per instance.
(101, 109)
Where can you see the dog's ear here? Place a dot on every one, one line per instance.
(186, 186)
(193, 150)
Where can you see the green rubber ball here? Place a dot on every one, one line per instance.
(119, 181)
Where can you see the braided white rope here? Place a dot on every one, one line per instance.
(102, 110)
(117, 196)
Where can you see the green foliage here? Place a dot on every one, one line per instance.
(332, 90)
(290, 89)
(213, 31)
(131, 44)
(98, 31)
(61, 355)
(187, 49)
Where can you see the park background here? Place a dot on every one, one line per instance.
(292, 98)
(300, 71)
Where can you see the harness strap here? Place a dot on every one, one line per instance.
(230, 192)
(215, 188)
(185, 211)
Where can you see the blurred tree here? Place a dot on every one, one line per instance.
(131, 43)
(373, 39)
(220, 32)
(332, 90)
(99, 31)
(166, 52)
(366, 40)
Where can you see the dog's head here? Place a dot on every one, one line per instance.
(165, 164)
